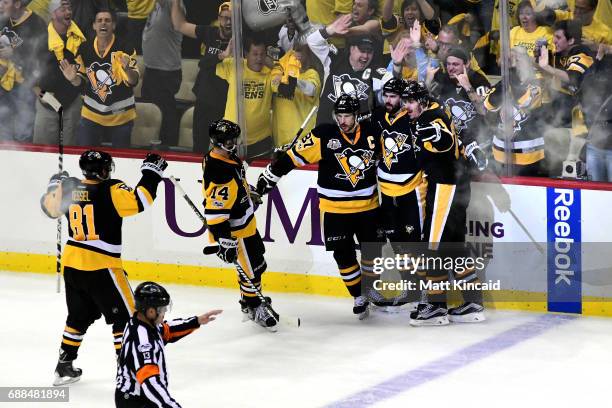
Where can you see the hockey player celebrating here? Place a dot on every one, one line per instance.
(437, 149)
(96, 283)
(142, 376)
(399, 177)
(229, 209)
(348, 198)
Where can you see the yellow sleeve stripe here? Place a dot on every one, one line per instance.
(124, 200)
(297, 161)
(145, 196)
(216, 219)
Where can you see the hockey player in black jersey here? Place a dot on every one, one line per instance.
(348, 198)
(461, 91)
(229, 209)
(438, 152)
(399, 179)
(95, 281)
(142, 376)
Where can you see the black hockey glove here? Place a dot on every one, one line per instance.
(57, 179)
(266, 181)
(476, 155)
(287, 91)
(155, 163)
(255, 197)
(228, 250)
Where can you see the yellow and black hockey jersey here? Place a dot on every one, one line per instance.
(95, 211)
(346, 181)
(576, 61)
(527, 143)
(398, 170)
(108, 97)
(228, 207)
(435, 145)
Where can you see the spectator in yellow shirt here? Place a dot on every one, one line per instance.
(257, 96)
(528, 32)
(296, 93)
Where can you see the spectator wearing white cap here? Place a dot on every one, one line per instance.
(63, 40)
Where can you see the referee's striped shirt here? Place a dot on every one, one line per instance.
(142, 371)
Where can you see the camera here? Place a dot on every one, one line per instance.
(540, 42)
(574, 170)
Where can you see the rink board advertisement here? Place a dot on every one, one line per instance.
(544, 245)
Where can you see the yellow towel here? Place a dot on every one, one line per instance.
(11, 76)
(288, 66)
(119, 74)
(74, 41)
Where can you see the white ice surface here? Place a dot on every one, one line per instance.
(331, 357)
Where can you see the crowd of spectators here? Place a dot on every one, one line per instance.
(86, 54)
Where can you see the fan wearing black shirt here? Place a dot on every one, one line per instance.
(209, 89)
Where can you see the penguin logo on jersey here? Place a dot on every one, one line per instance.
(461, 112)
(267, 6)
(101, 79)
(10, 38)
(346, 84)
(394, 144)
(354, 164)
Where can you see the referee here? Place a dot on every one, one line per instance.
(142, 377)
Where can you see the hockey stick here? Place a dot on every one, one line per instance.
(213, 249)
(288, 146)
(57, 106)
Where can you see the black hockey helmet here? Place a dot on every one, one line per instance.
(416, 91)
(394, 85)
(222, 131)
(346, 104)
(96, 165)
(150, 294)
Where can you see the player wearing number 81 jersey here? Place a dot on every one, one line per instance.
(95, 281)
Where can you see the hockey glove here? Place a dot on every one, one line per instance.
(228, 250)
(255, 197)
(57, 179)
(287, 91)
(267, 181)
(155, 163)
(476, 155)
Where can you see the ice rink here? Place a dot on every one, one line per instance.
(515, 359)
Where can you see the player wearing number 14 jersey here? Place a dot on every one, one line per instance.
(95, 281)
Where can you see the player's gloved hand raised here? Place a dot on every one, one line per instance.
(255, 197)
(57, 179)
(266, 181)
(228, 250)
(155, 163)
(476, 155)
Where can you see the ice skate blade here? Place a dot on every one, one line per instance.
(475, 317)
(408, 307)
(435, 321)
(364, 315)
(59, 381)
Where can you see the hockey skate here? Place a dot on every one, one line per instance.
(393, 305)
(429, 314)
(468, 312)
(65, 373)
(361, 307)
(265, 317)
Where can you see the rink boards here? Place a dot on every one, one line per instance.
(547, 245)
